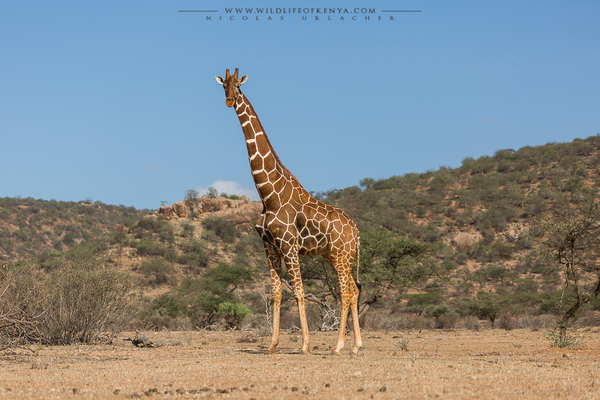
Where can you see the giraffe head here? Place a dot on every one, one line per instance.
(231, 84)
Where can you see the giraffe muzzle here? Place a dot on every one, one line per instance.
(230, 101)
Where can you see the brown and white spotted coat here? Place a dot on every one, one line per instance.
(294, 223)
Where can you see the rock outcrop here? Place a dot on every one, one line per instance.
(180, 209)
(166, 212)
(200, 206)
(462, 240)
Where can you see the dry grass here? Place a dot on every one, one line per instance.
(452, 364)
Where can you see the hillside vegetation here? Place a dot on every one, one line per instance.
(455, 245)
(29, 227)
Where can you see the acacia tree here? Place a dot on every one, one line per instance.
(572, 240)
(387, 262)
(213, 294)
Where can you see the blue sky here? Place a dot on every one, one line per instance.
(116, 100)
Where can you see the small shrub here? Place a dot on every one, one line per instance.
(152, 224)
(157, 270)
(506, 322)
(171, 304)
(117, 236)
(462, 258)
(445, 318)
(195, 255)
(147, 247)
(75, 303)
(570, 340)
(404, 343)
(418, 303)
(188, 230)
(448, 265)
(589, 318)
(233, 313)
(222, 227)
(420, 322)
(472, 323)
(381, 321)
(83, 253)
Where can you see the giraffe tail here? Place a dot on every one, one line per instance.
(358, 262)
(357, 281)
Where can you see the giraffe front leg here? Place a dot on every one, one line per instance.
(275, 264)
(293, 267)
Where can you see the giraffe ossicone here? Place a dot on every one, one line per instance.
(294, 223)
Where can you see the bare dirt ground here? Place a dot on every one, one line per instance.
(447, 364)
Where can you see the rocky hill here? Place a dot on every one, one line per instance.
(29, 227)
(481, 219)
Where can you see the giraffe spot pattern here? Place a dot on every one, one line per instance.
(295, 223)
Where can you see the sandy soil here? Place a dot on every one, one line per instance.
(448, 364)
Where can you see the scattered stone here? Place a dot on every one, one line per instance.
(151, 392)
(140, 340)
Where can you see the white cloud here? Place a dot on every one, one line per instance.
(231, 187)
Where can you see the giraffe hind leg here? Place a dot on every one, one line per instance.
(349, 291)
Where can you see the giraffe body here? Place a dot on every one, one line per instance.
(294, 223)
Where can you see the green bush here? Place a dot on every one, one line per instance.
(465, 306)
(448, 265)
(462, 258)
(146, 247)
(171, 304)
(153, 224)
(418, 303)
(83, 253)
(157, 270)
(116, 237)
(188, 230)
(233, 313)
(215, 286)
(195, 255)
(222, 227)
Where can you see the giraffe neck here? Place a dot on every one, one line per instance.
(269, 174)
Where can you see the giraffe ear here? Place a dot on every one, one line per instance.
(220, 79)
(243, 79)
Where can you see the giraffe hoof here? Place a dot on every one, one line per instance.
(305, 352)
(272, 350)
(336, 353)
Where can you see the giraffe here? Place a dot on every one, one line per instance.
(294, 223)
